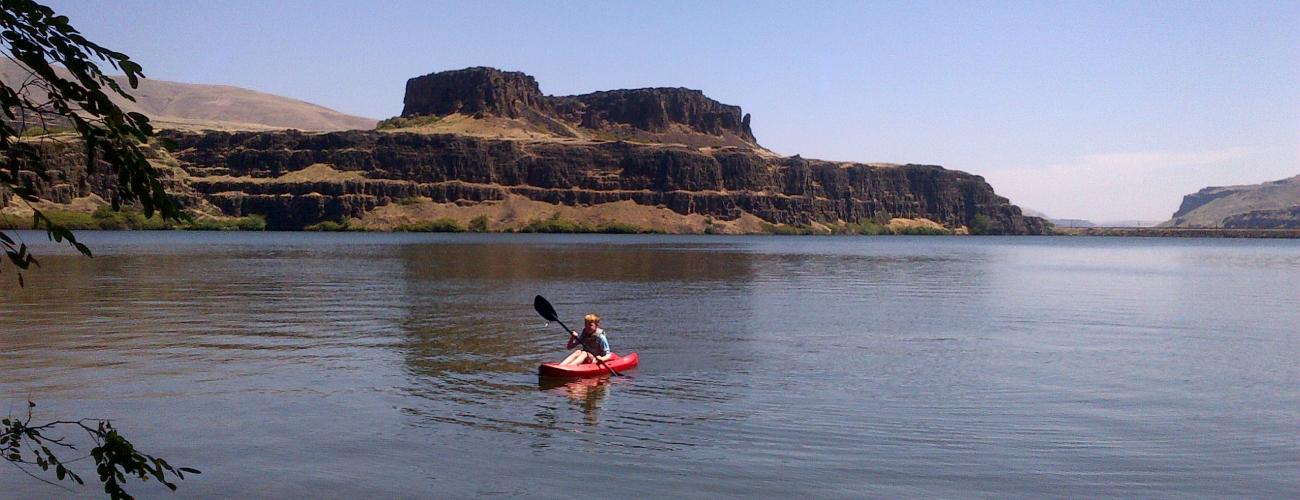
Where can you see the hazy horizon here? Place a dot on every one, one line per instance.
(1099, 111)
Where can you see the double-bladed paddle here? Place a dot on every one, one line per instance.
(544, 308)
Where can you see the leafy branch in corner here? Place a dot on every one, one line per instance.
(23, 444)
(64, 87)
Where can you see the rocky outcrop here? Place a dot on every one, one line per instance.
(657, 110)
(474, 91)
(1282, 218)
(1200, 198)
(1261, 206)
(654, 114)
(233, 170)
(68, 176)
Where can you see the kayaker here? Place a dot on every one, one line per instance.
(593, 336)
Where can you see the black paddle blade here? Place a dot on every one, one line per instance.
(544, 308)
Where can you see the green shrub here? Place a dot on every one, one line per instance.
(432, 226)
(554, 224)
(107, 218)
(980, 224)
(622, 228)
(39, 131)
(479, 224)
(328, 225)
(102, 218)
(922, 231)
(407, 122)
(865, 227)
(15, 222)
(252, 222)
(787, 230)
(409, 200)
(70, 220)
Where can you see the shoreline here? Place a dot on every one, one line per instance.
(1179, 232)
(1116, 232)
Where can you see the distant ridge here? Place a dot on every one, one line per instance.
(1269, 205)
(189, 106)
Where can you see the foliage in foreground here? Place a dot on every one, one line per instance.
(38, 41)
(116, 459)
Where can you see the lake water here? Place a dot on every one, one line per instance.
(404, 365)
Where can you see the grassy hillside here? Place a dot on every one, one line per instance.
(1211, 206)
(188, 106)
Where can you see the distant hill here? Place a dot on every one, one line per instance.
(1271, 205)
(1071, 223)
(1057, 222)
(188, 106)
(1129, 223)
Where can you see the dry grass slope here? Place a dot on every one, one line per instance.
(219, 107)
(1273, 195)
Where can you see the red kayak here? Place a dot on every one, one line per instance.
(618, 363)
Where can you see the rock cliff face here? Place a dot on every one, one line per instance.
(232, 170)
(1281, 218)
(675, 114)
(657, 110)
(664, 149)
(474, 91)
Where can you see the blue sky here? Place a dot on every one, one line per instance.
(1099, 110)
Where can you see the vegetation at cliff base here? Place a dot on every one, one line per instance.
(556, 224)
(329, 226)
(252, 222)
(400, 122)
(866, 227)
(980, 224)
(105, 218)
(479, 224)
(442, 225)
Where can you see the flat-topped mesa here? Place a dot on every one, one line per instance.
(664, 115)
(657, 109)
(473, 91)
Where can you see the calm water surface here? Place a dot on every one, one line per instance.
(378, 365)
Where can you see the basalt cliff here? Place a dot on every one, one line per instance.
(486, 144)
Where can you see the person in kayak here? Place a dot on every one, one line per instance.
(593, 337)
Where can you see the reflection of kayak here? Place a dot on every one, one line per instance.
(573, 385)
(618, 363)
